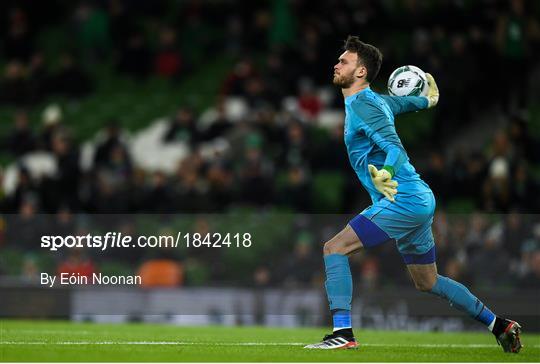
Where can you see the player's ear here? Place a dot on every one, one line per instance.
(361, 71)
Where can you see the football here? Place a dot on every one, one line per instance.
(408, 81)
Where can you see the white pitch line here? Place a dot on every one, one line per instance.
(143, 343)
(34, 331)
(241, 344)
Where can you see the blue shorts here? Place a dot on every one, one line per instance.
(407, 221)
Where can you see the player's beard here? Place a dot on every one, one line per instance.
(344, 81)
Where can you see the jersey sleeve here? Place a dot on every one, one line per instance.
(404, 104)
(382, 132)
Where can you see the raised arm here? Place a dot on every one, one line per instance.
(404, 104)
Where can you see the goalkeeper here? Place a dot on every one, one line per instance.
(403, 204)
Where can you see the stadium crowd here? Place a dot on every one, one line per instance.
(282, 49)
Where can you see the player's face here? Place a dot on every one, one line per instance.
(345, 70)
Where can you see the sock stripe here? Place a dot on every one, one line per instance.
(342, 319)
(479, 313)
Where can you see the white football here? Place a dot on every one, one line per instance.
(408, 81)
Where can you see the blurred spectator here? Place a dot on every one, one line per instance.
(515, 232)
(480, 48)
(39, 78)
(219, 127)
(262, 277)
(30, 268)
(65, 189)
(24, 229)
(108, 195)
(296, 148)
(312, 61)
(297, 267)
(77, 263)
(161, 273)
(457, 110)
(160, 196)
(196, 272)
(121, 22)
(51, 118)
(92, 27)
(283, 26)
(71, 80)
(14, 87)
(21, 139)
(4, 204)
(436, 176)
(233, 39)
(523, 141)
(484, 264)
(168, 61)
(370, 273)
(532, 279)
(135, 56)
(235, 82)
(191, 189)
(513, 39)
(221, 187)
(497, 186)
(26, 191)
(523, 195)
(330, 153)
(64, 223)
(19, 42)
(271, 129)
(197, 38)
(296, 192)
(476, 232)
(308, 101)
(183, 128)
(112, 151)
(256, 94)
(255, 175)
(278, 78)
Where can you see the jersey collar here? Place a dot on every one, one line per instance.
(349, 99)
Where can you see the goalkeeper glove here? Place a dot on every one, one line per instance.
(433, 92)
(382, 180)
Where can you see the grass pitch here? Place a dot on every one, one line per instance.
(74, 342)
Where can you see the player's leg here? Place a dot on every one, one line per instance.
(426, 279)
(423, 271)
(339, 288)
(358, 233)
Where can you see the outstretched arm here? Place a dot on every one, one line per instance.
(404, 104)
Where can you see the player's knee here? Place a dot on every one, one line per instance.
(424, 285)
(333, 247)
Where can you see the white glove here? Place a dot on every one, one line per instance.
(433, 92)
(382, 180)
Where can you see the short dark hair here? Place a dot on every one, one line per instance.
(368, 55)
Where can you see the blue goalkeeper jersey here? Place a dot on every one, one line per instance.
(371, 138)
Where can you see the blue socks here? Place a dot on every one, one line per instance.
(339, 289)
(338, 281)
(461, 298)
(342, 319)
